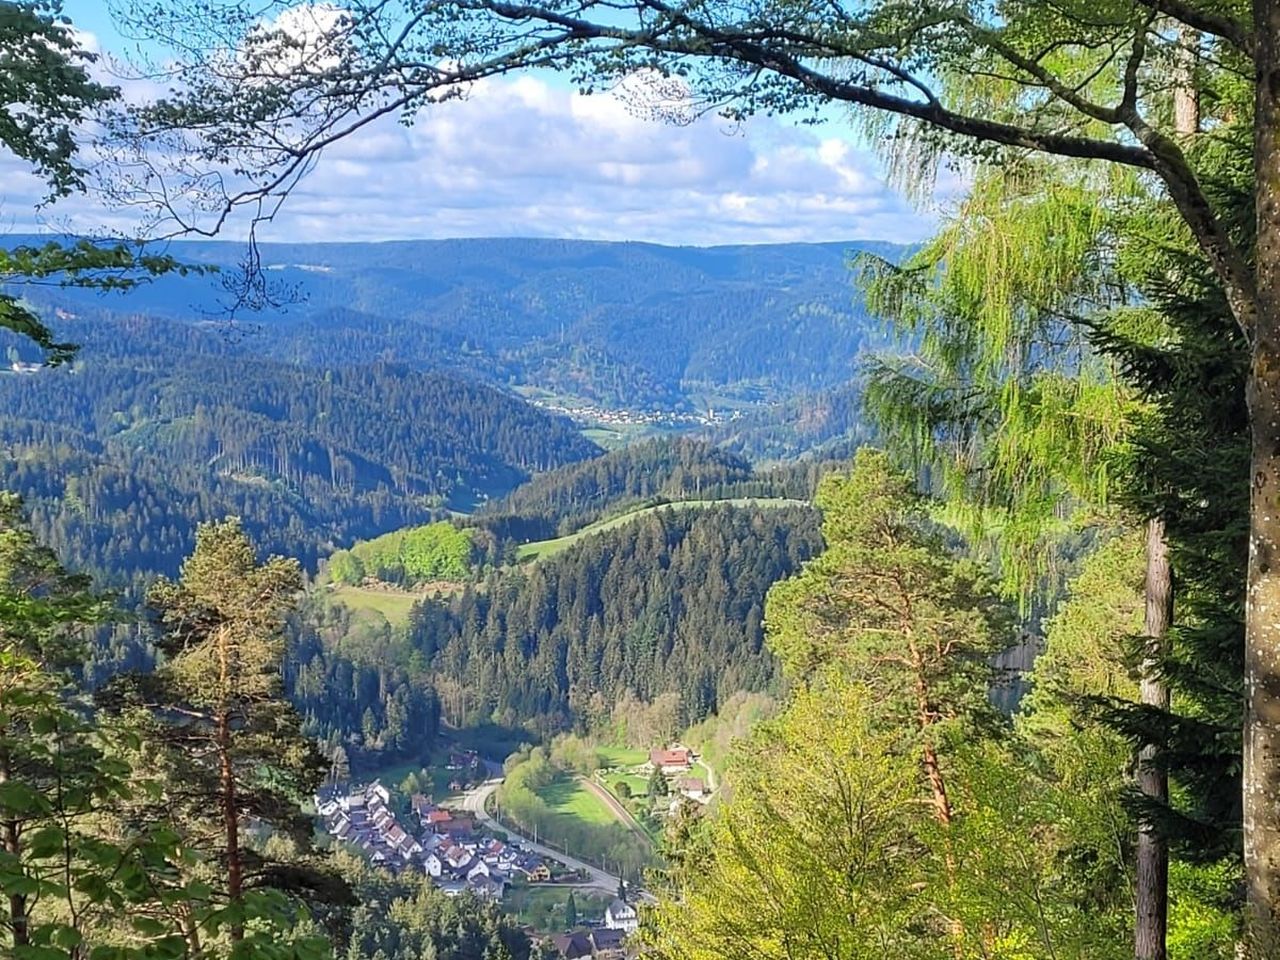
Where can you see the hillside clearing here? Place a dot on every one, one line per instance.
(612, 756)
(392, 605)
(546, 548)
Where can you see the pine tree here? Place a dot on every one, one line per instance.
(215, 719)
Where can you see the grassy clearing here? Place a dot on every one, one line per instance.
(638, 786)
(432, 771)
(621, 756)
(568, 797)
(546, 548)
(391, 605)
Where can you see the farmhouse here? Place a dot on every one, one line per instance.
(671, 760)
(607, 943)
(572, 946)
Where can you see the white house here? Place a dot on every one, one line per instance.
(620, 915)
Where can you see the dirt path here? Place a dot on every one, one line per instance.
(615, 807)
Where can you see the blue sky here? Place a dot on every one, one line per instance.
(527, 156)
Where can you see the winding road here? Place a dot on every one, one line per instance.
(473, 801)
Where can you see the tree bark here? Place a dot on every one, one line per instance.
(1262, 611)
(11, 842)
(227, 785)
(1152, 881)
(231, 825)
(1186, 95)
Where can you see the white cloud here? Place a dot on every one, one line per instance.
(525, 157)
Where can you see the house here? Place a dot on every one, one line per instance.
(433, 865)
(692, 787)
(493, 851)
(451, 888)
(672, 760)
(534, 868)
(421, 805)
(431, 841)
(572, 946)
(459, 826)
(486, 888)
(437, 818)
(479, 869)
(620, 915)
(606, 942)
(457, 855)
(463, 760)
(377, 792)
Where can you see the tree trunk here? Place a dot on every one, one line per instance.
(231, 825)
(1262, 611)
(11, 843)
(1152, 881)
(227, 790)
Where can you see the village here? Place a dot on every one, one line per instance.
(463, 855)
(587, 413)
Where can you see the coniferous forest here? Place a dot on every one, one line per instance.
(900, 598)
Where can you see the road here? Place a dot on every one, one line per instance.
(473, 801)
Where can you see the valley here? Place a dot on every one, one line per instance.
(479, 569)
(365, 596)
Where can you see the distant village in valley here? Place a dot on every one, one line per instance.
(587, 413)
(463, 851)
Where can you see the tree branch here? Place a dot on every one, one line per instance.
(1206, 21)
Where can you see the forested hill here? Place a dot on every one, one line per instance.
(562, 501)
(669, 605)
(620, 324)
(158, 424)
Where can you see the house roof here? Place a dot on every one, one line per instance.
(572, 945)
(676, 757)
(605, 938)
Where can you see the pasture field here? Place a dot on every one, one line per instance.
(393, 605)
(569, 797)
(543, 907)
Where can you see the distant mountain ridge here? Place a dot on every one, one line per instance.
(158, 424)
(629, 325)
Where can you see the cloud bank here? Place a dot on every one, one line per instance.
(524, 157)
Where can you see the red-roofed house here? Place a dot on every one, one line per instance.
(674, 760)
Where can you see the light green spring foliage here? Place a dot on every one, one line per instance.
(829, 844)
(434, 551)
(817, 854)
(827, 849)
(1000, 398)
(1088, 764)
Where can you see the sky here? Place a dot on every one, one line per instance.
(527, 156)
